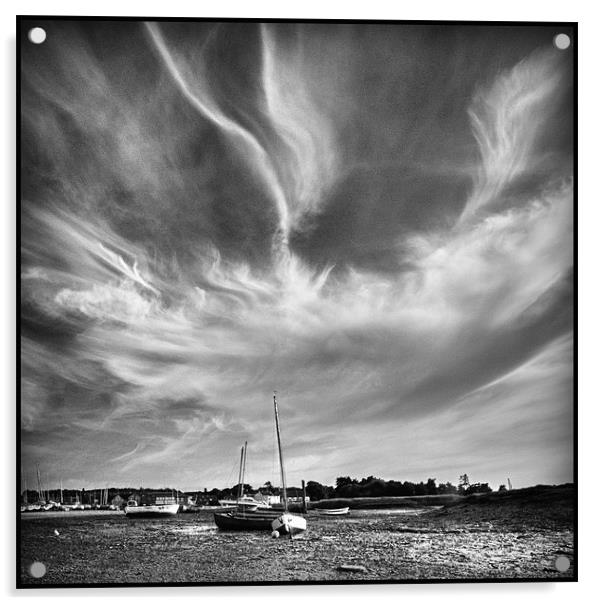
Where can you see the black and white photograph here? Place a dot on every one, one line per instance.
(295, 301)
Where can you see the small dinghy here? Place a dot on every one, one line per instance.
(333, 512)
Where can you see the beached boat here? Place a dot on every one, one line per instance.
(242, 501)
(243, 513)
(133, 509)
(284, 523)
(246, 502)
(246, 520)
(333, 512)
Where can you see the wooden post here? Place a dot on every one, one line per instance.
(304, 509)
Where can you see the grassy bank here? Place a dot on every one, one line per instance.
(388, 502)
(542, 506)
(550, 502)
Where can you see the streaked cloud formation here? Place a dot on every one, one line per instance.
(376, 221)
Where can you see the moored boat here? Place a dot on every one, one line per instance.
(246, 502)
(241, 520)
(133, 509)
(333, 512)
(280, 522)
(243, 513)
(287, 523)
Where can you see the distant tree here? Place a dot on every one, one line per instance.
(330, 491)
(394, 488)
(346, 487)
(368, 480)
(408, 489)
(420, 489)
(502, 488)
(447, 488)
(316, 491)
(375, 488)
(341, 481)
(246, 488)
(431, 487)
(349, 490)
(463, 484)
(478, 488)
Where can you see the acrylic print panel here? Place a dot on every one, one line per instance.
(374, 220)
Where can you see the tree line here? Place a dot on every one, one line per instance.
(344, 487)
(347, 487)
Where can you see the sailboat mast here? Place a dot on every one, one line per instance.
(61, 490)
(39, 483)
(244, 468)
(242, 450)
(282, 476)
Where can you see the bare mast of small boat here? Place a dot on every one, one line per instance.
(25, 484)
(40, 494)
(282, 475)
(241, 472)
(242, 453)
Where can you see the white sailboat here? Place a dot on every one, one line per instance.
(287, 523)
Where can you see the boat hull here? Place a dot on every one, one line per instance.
(333, 512)
(240, 505)
(245, 520)
(155, 510)
(288, 524)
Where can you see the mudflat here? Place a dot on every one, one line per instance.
(514, 535)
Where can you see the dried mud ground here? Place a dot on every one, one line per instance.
(514, 535)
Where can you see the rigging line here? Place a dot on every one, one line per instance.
(231, 475)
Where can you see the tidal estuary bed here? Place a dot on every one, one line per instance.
(384, 546)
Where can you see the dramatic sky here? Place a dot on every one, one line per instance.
(373, 220)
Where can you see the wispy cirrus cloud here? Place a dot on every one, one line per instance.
(151, 343)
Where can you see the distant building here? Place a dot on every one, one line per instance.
(164, 496)
(206, 498)
(118, 501)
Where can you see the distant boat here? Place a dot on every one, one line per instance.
(245, 514)
(333, 512)
(246, 502)
(243, 501)
(262, 518)
(33, 507)
(133, 509)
